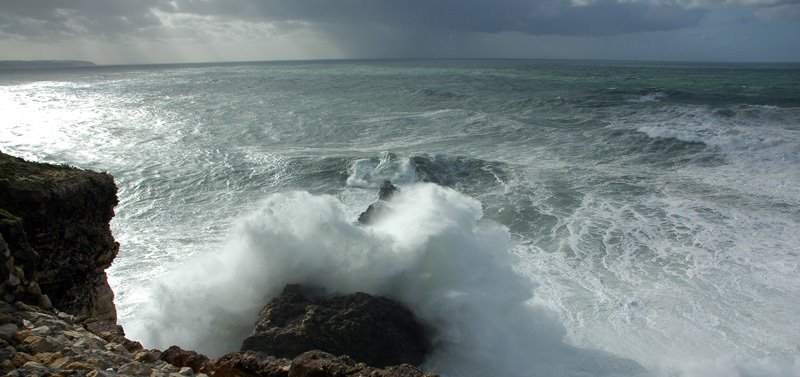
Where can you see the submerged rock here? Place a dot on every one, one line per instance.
(369, 329)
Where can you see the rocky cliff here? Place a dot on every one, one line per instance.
(64, 244)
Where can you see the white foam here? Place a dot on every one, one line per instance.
(649, 97)
(760, 145)
(687, 287)
(367, 173)
(434, 253)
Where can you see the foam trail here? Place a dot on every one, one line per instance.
(434, 253)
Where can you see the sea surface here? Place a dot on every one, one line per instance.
(555, 218)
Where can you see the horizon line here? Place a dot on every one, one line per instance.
(311, 60)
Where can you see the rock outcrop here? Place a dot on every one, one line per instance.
(67, 242)
(374, 330)
(380, 208)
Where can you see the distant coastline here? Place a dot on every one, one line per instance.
(42, 64)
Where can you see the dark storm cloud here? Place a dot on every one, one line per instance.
(117, 17)
(603, 17)
(363, 27)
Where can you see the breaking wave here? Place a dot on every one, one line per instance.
(434, 252)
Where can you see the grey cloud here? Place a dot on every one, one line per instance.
(442, 28)
(603, 17)
(367, 27)
(78, 18)
(780, 13)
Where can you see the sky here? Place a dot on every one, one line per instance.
(180, 31)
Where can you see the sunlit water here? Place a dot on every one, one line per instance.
(555, 218)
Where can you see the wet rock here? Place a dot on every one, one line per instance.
(380, 208)
(370, 329)
(387, 190)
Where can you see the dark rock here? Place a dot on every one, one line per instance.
(387, 190)
(307, 364)
(65, 242)
(16, 256)
(322, 364)
(374, 212)
(250, 363)
(370, 329)
(379, 209)
(183, 358)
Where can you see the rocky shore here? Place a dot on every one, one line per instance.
(57, 314)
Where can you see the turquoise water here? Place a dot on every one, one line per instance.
(597, 218)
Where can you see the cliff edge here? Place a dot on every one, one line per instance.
(55, 221)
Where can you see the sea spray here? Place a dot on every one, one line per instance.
(433, 252)
(371, 173)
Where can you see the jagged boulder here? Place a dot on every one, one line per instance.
(374, 330)
(65, 214)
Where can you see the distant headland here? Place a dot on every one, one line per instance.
(40, 64)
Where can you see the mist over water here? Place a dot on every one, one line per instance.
(555, 218)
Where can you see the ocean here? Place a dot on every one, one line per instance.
(555, 218)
